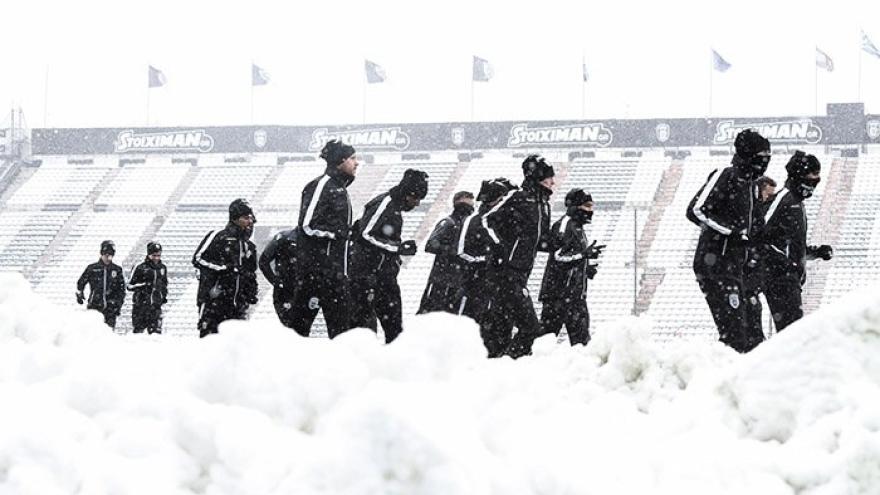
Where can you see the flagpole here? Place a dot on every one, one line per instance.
(859, 92)
(711, 77)
(252, 92)
(472, 99)
(816, 86)
(149, 90)
(46, 97)
(583, 86)
(364, 116)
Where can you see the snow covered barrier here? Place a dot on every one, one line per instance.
(257, 409)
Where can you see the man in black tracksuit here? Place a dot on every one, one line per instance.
(474, 248)
(149, 283)
(376, 253)
(322, 265)
(519, 227)
(724, 208)
(227, 263)
(784, 240)
(444, 282)
(282, 251)
(106, 285)
(564, 288)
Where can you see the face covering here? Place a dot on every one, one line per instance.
(805, 187)
(758, 164)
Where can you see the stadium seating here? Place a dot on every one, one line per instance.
(55, 217)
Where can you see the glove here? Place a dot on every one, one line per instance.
(496, 254)
(825, 252)
(79, 297)
(593, 251)
(407, 248)
(251, 299)
(279, 284)
(591, 271)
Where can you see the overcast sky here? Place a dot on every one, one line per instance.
(645, 58)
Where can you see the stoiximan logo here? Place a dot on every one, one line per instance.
(790, 131)
(194, 140)
(383, 138)
(585, 134)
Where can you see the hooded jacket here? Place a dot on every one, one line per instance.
(519, 226)
(566, 273)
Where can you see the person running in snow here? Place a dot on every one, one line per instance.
(106, 285)
(149, 284)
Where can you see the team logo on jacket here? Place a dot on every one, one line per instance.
(112, 273)
(662, 132)
(582, 134)
(260, 138)
(786, 131)
(733, 300)
(873, 128)
(314, 303)
(196, 140)
(380, 138)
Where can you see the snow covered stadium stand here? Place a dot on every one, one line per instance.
(82, 186)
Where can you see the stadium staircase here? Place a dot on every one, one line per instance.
(826, 228)
(87, 207)
(652, 277)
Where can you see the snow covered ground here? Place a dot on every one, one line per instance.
(259, 410)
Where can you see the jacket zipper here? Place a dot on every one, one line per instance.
(104, 295)
(237, 275)
(153, 289)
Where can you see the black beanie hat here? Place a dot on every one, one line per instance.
(801, 164)
(490, 190)
(577, 197)
(108, 247)
(335, 152)
(536, 168)
(153, 247)
(414, 183)
(749, 143)
(239, 208)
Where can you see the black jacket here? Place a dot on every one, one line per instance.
(376, 238)
(519, 227)
(474, 246)
(726, 210)
(325, 218)
(282, 250)
(443, 244)
(106, 284)
(783, 248)
(149, 284)
(227, 263)
(566, 274)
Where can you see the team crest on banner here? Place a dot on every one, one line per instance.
(662, 132)
(733, 299)
(873, 128)
(458, 136)
(260, 138)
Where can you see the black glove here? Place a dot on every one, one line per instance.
(251, 299)
(824, 251)
(593, 251)
(407, 248)
(79, 297)
(591, 271)
(496, 254)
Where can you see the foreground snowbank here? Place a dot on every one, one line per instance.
(259, 410)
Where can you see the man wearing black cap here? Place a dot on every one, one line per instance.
(149, 283)
(325, 218)
(564, 288)
(474, 249)
(519, 227)
(725, 209)
(376, 253)
(278, 263)
(783, 240)
(227, 263)
(444, 282)
(106, 285)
